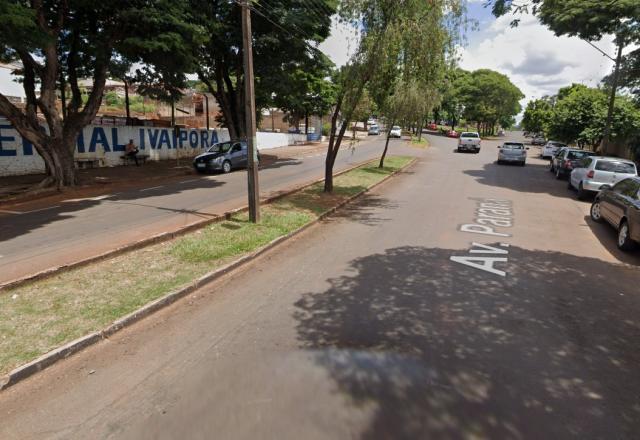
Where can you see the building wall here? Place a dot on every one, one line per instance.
(107, 144)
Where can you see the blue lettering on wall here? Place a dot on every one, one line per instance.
(114, 136)
(193, 139)
(99, 137)
(164, 139)
(4, 152)
(27, 147)
(141, 144)
(153, 138)
(205, 139)
(80, 142)
(214, 137)
(183, 137)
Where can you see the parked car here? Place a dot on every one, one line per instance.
(592, 172)
(512, 152)
(550, 149)
(223, 156)
(374, 130)
(538, 140)
(452, 134)
(469, 141)
(619, 205)
(565, 160)
(396, 132)
(433, 126)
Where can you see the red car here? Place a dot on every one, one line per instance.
(453, 134)
(432, 127)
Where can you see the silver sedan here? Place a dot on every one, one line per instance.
(512, 152)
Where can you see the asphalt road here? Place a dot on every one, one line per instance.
(364, 327)
(43, 235)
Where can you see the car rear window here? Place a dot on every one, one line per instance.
(469, 135)
(513, 146)
(614, 166)
(578, 154)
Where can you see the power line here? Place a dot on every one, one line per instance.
(600, 50)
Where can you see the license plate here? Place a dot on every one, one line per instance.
(201, 165)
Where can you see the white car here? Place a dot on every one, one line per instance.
(469, 141)
(512, 152)
(551, 148)
(594, 171)
(396, 132)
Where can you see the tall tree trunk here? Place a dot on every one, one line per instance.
(386, 146)
(126, 101)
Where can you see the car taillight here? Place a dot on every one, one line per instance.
(567, 164)
(590, 174)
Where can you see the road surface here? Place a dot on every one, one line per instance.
(377, 325)
(43, 236)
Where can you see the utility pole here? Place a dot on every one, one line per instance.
(612, 99)
(206, 99)
(250, 115)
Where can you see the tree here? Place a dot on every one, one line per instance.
(62, 41)
(397, 37)
(537, 116)
(456, 80)
(308, 91)
(490, 97)
(590, 20)
(282, 31)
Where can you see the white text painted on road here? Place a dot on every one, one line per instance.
(490, 214)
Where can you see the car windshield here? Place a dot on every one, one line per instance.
(615, 166)
(222, 147)
(513, 146)
(469, 135)
(395, 127)
(578, 154)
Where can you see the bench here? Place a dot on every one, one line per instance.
(129, 160)
(88, 163)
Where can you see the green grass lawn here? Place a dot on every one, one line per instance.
(38, 317)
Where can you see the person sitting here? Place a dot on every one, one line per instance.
(132, 151)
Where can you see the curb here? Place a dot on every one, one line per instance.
(159, 238)
(50, 358)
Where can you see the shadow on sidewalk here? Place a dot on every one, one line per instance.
(434, 349)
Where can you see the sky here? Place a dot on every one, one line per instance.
(535, 60)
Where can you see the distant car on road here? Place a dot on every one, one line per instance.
(374, 130)
(452, 134)
(538, 140)
(223, 156)
(591, 173)
(512, 152)
(565, 160)
(396, 132)
(620, 207)
(433, 126)
(551, 148)
(469, 141)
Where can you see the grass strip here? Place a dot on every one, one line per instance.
(38, 317)
(419, 143)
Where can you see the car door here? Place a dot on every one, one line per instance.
(236, 155)
(244, 157)
(578, 174)
(618, 199)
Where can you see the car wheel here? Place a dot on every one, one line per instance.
(595, 212)
(499, 162)
(226, 167)
(569, 185)
(624, 240)
(459, 150)
(522, 164)
(551, 167)
(582, 194)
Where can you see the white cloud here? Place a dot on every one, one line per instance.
(8, 86)
(536, 60)
(341, 44)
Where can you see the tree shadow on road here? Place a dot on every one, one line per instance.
(435, 349)
(608, 237)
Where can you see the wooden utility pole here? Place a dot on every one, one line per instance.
(606, 137)
(250, 115)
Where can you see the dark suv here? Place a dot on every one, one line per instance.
(565, 160)
(620, 206)
(224, 157)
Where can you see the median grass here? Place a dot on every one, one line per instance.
(38, 317)
(419, 142)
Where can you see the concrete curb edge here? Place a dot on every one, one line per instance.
(46, 360)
